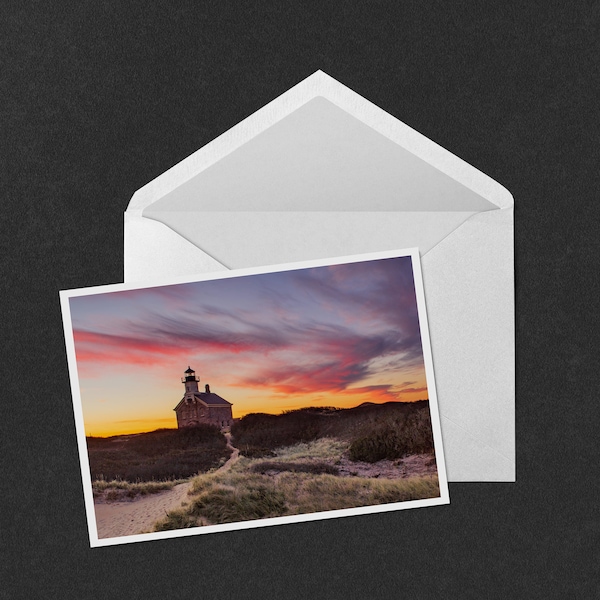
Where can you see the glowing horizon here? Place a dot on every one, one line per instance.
(338, 335)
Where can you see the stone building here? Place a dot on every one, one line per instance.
(201, 407)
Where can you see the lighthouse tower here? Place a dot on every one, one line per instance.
(190, 380)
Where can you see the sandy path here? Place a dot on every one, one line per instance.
(235, 454)
(129, 518)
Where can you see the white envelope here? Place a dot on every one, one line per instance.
(321, 172)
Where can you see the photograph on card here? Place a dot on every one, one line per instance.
(255, 397)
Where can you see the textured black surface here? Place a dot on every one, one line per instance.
(99, 98)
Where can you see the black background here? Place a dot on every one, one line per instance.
(98, 98)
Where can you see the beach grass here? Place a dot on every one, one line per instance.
(300, 479)
(115, 490)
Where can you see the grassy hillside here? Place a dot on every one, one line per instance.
(299, 479)
(164, 454)
(374, 431)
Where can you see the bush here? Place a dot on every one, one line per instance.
(259, 432)
(257, 435)
(295, 467)
(164, 454)
(412, 435)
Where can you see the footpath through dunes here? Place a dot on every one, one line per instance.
(235, 453)
(119, 519)
(138, 516)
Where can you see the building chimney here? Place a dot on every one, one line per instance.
(207, 388)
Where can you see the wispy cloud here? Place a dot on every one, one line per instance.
(320, 330)
(412, 390)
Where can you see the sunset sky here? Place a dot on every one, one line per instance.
(325, 336)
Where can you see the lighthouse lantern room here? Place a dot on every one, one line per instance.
(190, 380)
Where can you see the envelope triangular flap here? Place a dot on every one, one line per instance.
(318, 159)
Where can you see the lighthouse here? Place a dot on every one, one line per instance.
(198, 407)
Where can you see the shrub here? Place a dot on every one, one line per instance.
(295, 467)
(165, 454)
(258, 434)
(412, 435)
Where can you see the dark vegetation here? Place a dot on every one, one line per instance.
(159, 455)
(316, 468)
(409, 435)
(375, 431)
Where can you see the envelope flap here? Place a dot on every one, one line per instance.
(320, 158)
(321, 146)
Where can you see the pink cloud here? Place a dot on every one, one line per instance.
(309, 331)
(122, 349)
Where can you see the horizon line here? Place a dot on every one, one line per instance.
(285, 411)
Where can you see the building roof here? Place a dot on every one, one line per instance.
(212, 399)
(207, 398)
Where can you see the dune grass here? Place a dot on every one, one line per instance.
(310, 494)
(315, 457)
(293, 483)
(235, 497)
(115, 490)
(325, 448)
